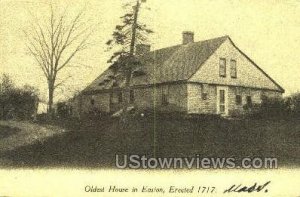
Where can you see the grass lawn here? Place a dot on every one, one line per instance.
(94, 144)
(6, 131)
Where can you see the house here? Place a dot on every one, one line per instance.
(42, 107)
(208, 77)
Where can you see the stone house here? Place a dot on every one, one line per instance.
(208, 77)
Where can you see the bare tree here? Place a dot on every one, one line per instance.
(54, 43)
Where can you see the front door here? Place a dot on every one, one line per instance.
(222, 100)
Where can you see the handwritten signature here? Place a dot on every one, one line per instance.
(253, 188)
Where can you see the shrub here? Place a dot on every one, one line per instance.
(273, 106)
(270, 107)
(17, 103)
(63, 110)
(294, 104)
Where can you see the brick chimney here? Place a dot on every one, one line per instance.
(141, 49)
(187, 37)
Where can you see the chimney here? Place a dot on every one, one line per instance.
(142, 49)
(187, 37)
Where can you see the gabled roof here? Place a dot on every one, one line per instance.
(261, 70)
(176, 63)
(171, 64)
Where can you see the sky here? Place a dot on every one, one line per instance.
(267, 31)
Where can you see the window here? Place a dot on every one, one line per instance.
(222, 101)
(131, 96)
(204, 96)
(238, 99)
(164, 99)
(222, 67)
(165, 92)
(249, 101)
(92, 101)
(204, 90)
(233, 73)
(120, 97)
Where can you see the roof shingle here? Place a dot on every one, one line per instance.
(176, 63)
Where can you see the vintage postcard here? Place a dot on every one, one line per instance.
(149, 98)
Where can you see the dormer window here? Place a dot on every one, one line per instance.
(222, 67)
(233, 72)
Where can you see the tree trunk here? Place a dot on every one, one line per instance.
(3, 113)
(134, 26)
(128, 72)
(80, 106)
(126, 99)
(50, 101)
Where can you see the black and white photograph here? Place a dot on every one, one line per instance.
(151, 86)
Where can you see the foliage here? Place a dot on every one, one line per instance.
(275, 107)
(63, 110)
(20, 103)
(294, 101)
(126, 35)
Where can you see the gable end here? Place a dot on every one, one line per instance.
(260, 69)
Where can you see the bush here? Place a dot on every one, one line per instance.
(42, 117)
(252, 109)
(294, 102)
(63, 110)
(17, 103)
(273, 106)
(270, 107)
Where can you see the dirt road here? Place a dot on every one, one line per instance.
(19, 134)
